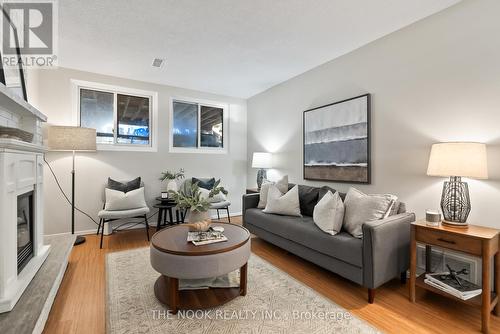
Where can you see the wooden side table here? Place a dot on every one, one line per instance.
(475, 240)
(252, 191)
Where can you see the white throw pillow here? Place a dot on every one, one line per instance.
(361, 208)
(287, 204)
(281, 184)
(328, 213)
(118, 200)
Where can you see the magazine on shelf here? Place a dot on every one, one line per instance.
(205, 238)
(463, 290)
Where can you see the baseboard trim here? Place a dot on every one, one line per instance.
(151, 224)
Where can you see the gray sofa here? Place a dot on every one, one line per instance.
(381, 255)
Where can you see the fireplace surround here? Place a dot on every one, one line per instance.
(22, 250)
(21, 219)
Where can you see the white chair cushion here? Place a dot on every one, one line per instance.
(220, 205)
(328, 214)
(287, 204)
(123, 214)
(118, 200)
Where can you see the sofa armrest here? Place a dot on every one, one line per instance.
(386, 249)
(250, 201)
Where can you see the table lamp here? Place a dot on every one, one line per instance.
(72, 139)
(457, 160)
(262, 161)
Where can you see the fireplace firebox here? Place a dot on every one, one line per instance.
(25, 225)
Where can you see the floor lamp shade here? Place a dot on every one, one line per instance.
(262, 160)
(71, 138)
(457, 160)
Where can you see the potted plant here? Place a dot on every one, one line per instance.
(197, 204)
(172, 178)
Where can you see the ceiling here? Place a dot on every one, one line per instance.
(231, 47)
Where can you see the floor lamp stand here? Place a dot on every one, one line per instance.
(79, 239)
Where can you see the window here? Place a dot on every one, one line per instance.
(123, 117)
(198, 126)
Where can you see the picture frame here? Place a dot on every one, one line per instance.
(14, 77)
(336, 141)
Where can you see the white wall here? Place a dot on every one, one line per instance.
(436, 80)
(53, 97)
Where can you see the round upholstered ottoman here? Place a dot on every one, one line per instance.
(175, 258)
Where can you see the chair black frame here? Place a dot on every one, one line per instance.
(227, 210)
(103, 221)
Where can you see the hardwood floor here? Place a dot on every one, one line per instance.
(80, 303)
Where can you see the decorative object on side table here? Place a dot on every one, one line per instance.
(432, 217)
(337, 141)
(263, 161)
(72, 139)
(171, 178)
(457, 160)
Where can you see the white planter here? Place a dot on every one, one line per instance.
(196, 216)
(172, 185)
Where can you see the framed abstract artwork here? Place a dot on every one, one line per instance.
(336, 141)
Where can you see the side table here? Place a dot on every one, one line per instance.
(475, 240)
(165, 206)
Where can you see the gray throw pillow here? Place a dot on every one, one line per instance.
(361, 208)
(124, 186)
(287, 204)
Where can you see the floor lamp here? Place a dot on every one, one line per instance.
(72, 139)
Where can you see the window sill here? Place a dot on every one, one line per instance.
(197, 150)
(126, 148)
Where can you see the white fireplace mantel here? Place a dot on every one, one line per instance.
(21, 171)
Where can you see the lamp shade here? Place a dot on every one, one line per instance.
(458, 159)
(71, 138)
(262, 160)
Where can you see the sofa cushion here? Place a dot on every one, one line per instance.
(302, 230)
(308, 197)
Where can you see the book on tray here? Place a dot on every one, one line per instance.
(205, 238)
(456, 286)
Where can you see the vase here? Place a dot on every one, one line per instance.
(198, 221)
(197, 216)
(172, 185)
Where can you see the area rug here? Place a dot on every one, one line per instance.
(275, 303)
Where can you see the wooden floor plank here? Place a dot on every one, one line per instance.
(80, 303)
